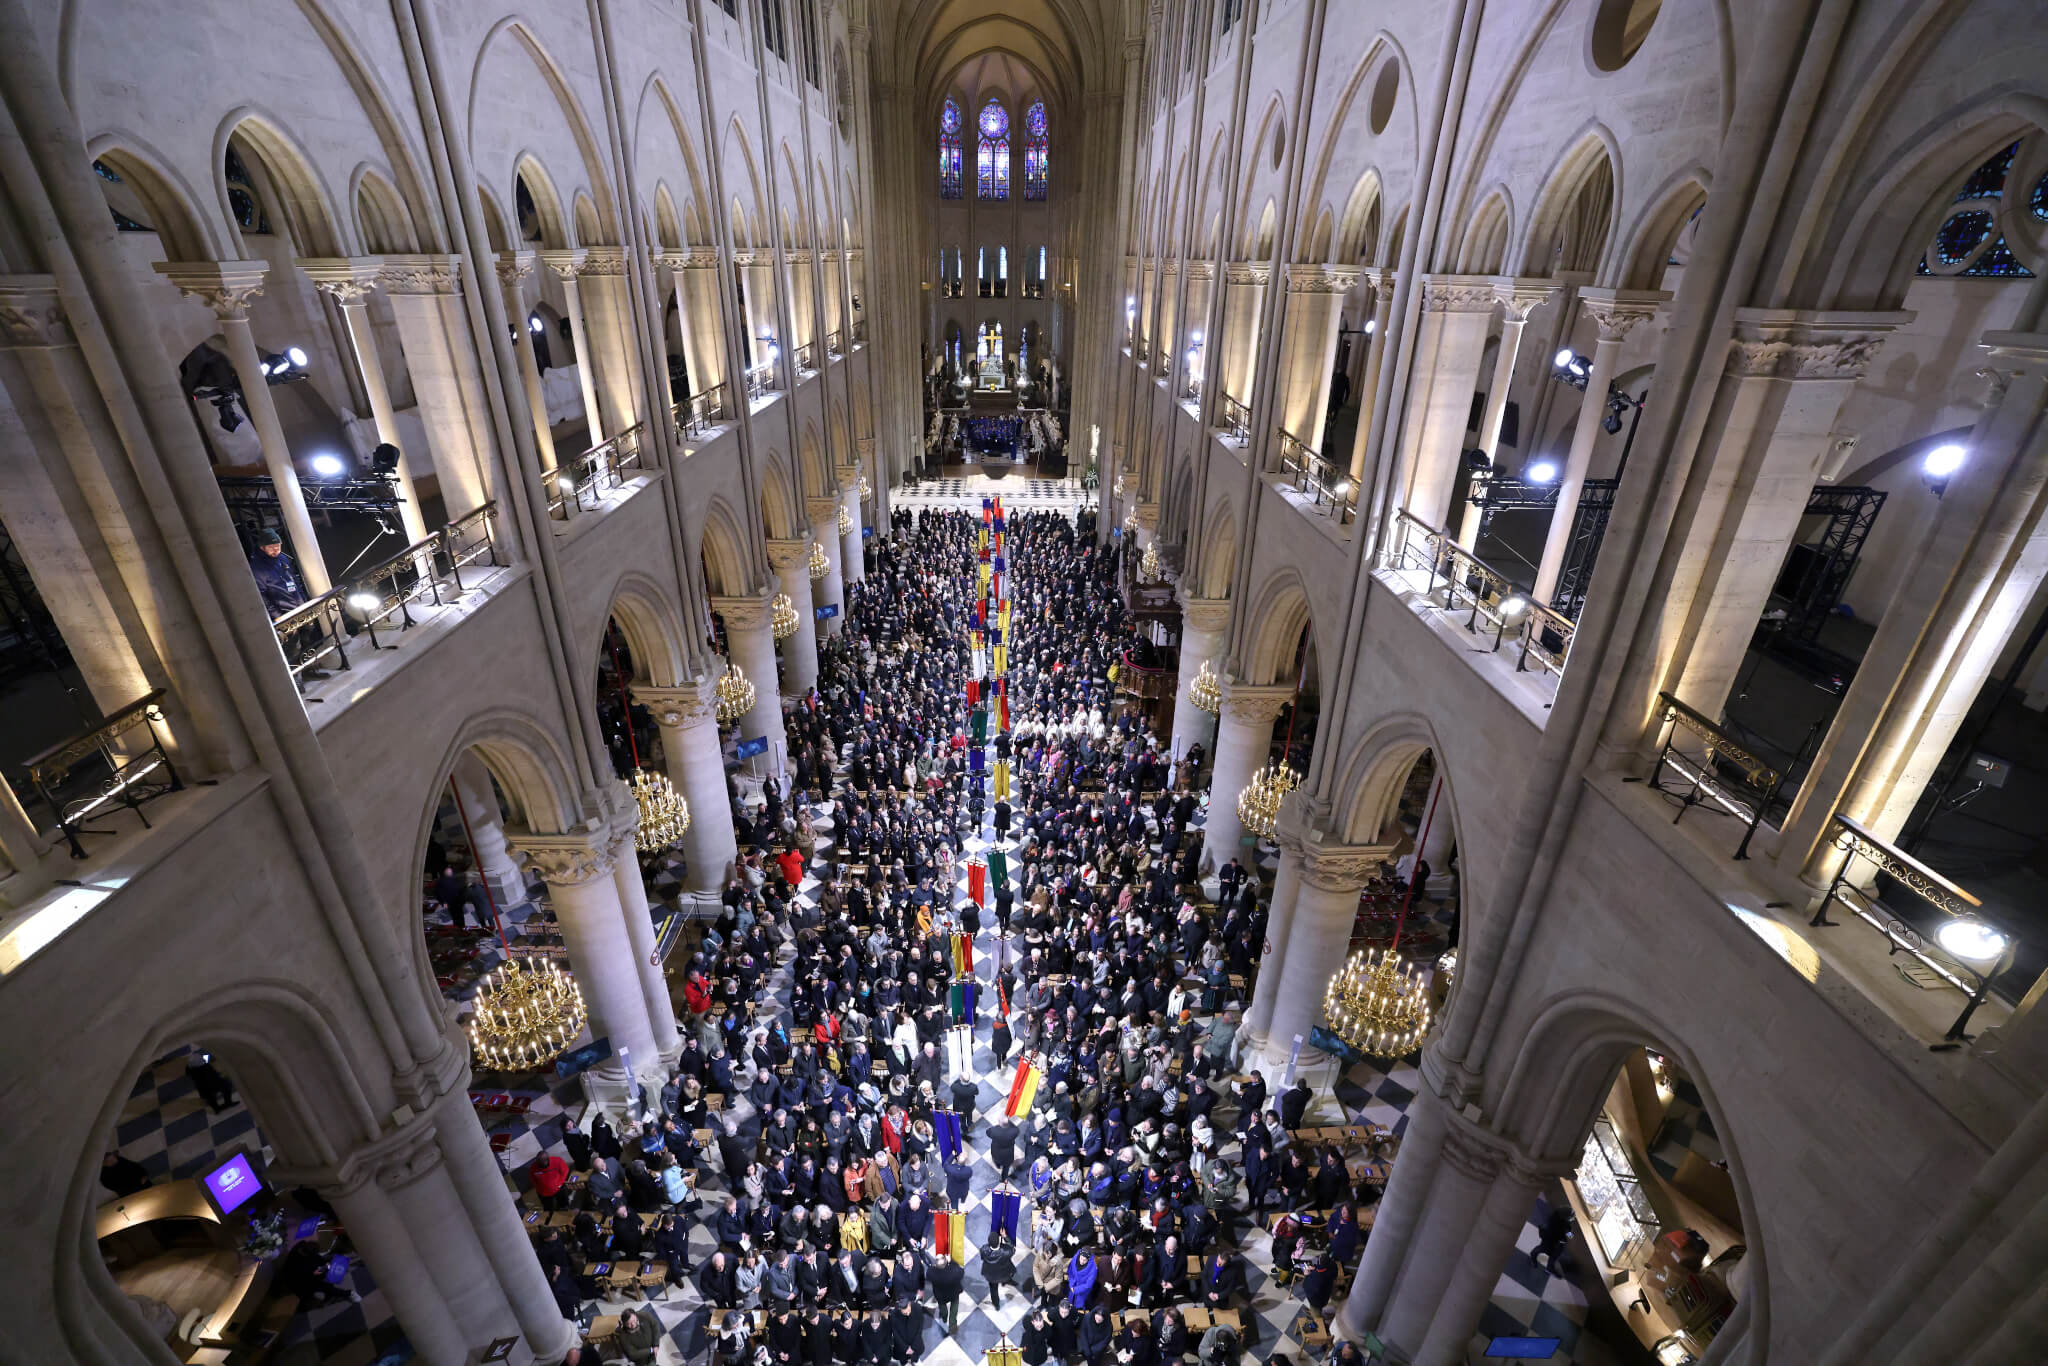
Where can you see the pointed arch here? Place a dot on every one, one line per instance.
(186, 234)
(1572, 228)
(722, 548)
(382, 224)
(1649, 245)
(1484, 250)
(1358, 231)
(299, 196)
(653, 627)
(550, 226)
(550, 71)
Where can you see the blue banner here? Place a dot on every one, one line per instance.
(827, 612)
(867, 533)
(747, 749)
(583, 1059)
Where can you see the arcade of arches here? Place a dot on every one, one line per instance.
(933, 558)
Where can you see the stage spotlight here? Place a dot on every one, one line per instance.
(1542, 472)
(328, 466)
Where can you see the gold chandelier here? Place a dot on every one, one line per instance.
(524, 1013)
(1130, 524)
(819, 564)
(866, 489)
(1117, 487)
(664, 815)
(1148, 563)
(735, 695)
(845, 521)
(1378, 1004)
(1258, 806)
(782, 617)
(1206, 691)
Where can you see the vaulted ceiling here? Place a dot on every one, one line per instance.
(1069, 46)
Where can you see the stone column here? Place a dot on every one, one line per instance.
(1244, 295)
(486, 828)
(757, 278)
(1435, 841)
(585, 894)
(1457, 313)
(1244, 737)
(632, 888)
(791, 561)
(566, 264)
(513, 267)
(1204, 627)
(440, 355)
(1483, 1254)
(1966, 588)
(1318, 938)
(1315, 310)
(1465, 1175)
(226, 287)
(853, 566)
(1617, 312)
(1380, 280)
(398, 1259)
(1258, 1016)
(1399, 1216)
(1201, 279)
(829, 590)
(1168, 334)
(1774, 414)
(348, 282)
(753, 650)
(607, 321)
(689, 741)
(1517, 298)
(701, 306)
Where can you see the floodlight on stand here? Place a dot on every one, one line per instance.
(782, 617)
(1972, 940)
(364, 601)
(735, 695)
(819, 563)
(1542, 472)
(535, 325)
(525, 1013)
(1205, 690)
(1371, 326)
(1513, 605)
(328, 465)
(664, 815)
(296, 356)
(1563, 359)
(384, 460)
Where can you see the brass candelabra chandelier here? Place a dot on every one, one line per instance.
(1206, 690)
(845, 521)
(782, 617)
(735, 695)
(524, 1013)
(1130, 524)
(866, 489)
(1148, 563)
(664, 815)
(1258, 806)
(1378, 1004)
(819, 563)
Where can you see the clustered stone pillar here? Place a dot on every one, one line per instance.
(695, 272)
(1518, 298)
(632, 889)
(1244, 295)
(584, 891)
(791, 562)
(1423, 1284)
(1318, 936)
(514, 267)
(1315, 310)
(607, 322)
(1617, 312)
(852, 554)
(753, 650)
(433, 329)
(1380, 282)
(1258, 1016)
(566, 264)
(348, 283)
(830, 589)
(1457, 313)
(226, 287)
(1204, 625)
(1244, 738)
(689, 741)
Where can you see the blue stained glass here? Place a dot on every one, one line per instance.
(995, 122)
(1998, 262)
(1988, 180)
(949, 118)
(2037, 203)
(1034, 119)
(1960, 235)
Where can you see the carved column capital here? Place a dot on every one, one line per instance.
(1784, 343)
(1254, 704)
(1617, 312)
(1458, 294)
(564, 262)
(824, 510)
(1209, 615)
(344, 279)
(1341, 867)
(1518, 298)
(423, 274)
(1256, 273)
(1147, 515)
(514, 266)
(32, 315)
(1321, 279)
(223, 286)
(603, 260)
(691, 258)
(744, 613)
(678, 708)
(794, 553)
(1201, 270)
(563, 860)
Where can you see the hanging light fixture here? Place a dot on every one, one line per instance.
(1206, 691)
(845, 521)
(1130, 524)
(1377, 1004)
(524, 1013)
(782, 617)
(1122, 482)
(1258, 806)
(664, 815)
(819, 564)
(735, 695)
(1148, 563)
(866, 489)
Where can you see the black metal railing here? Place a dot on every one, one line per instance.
(835, 344)
(1944, 899)
(806, 357)
(1721, 772)
(1233, 419)
(859, 331)
(1330, 492)
(1461, 582)
(586, 479)
(699, 412)
(315, 635)
(120, 761)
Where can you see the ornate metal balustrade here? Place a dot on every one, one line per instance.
(696, 415)
(1330, 492)
(1722, 773)
(806, 357)
(860, 331)
(1461, 582)
(1233, 419)
(121, 761)
(587, 478)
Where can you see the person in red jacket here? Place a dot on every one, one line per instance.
(696, 994)
(792, 864)
(548, 1172)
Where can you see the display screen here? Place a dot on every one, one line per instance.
(1523, 1349)
(232, 1184)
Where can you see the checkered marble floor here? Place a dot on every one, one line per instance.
(1018, 492)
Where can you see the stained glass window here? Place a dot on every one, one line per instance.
(992, 157)
(949, 151)
(2037, 204)
(1036, 158)
(1988, 180)
(1969, 242)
